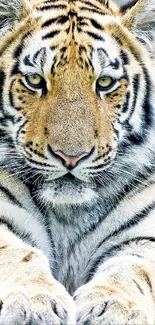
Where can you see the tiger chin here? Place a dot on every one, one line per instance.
(77, 162)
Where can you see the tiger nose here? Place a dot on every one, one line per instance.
(70, 162)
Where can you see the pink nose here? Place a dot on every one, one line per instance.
(70, 161)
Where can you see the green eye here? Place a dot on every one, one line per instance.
(105, 82)
(34, 80)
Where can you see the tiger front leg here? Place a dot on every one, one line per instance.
(28, 292)
(120, 293)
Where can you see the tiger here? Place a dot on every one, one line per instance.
(77, 162)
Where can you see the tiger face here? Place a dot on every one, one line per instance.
(72, 75)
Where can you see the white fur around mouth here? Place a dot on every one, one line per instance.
(68, 196)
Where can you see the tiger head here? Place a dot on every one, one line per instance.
(76, 91)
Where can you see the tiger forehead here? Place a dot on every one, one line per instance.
(71, 29)
(75, 7)
(79, 20)
(75, 54)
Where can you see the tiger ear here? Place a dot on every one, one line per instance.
(139, 17)
(11, 12)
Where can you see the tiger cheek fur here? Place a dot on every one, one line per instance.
(77, 172)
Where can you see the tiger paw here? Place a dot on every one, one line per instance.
(100, 305)
(37, 306)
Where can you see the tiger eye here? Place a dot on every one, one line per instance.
(34, 79)
(105, 82)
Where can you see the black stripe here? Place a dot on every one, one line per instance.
(19, 130)
(114, 251)
(10, 93)
(11, 40)
(9, 143)
(3, 134)
(116, 64)
(124, 57)
(91, 5)
(18, 51)
(130, 223)
(95, 11)
(35, 56)
(49, 22)
(46, 223)
(26, 237)
(53, 65)
(15, 69)
(49, 1)
(103, 214)
(147, 111)
(135, 138)
(52, 48)
(102, 52)
(136, 87)
(95, 36)
(3, 121)
(96, 25)
(37, 163)
(126, 103)
(127, 242)
(8, 117)
(62, 20)
(99, 166)
(4, 222)
(59, 20)
(63, 49)
(51, 34)
(27, 61)
(101, 1)
(9, 195)
(147, 107)
(2, 81)
(3, 21)
(51, 7)
(82, 49)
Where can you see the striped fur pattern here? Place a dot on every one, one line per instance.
(77, 245)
